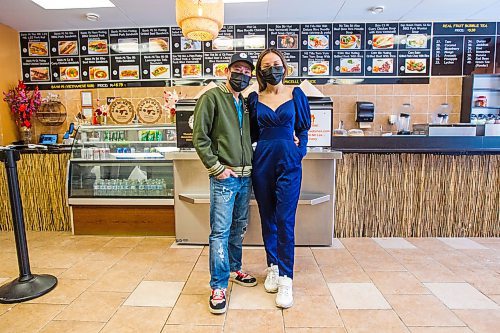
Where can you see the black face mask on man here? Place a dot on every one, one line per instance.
(239, 81)
(273, 75)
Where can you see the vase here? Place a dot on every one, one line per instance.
(26, 134)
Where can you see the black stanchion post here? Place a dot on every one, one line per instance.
(27, 286)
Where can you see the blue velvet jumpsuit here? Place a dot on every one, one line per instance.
(277, 172)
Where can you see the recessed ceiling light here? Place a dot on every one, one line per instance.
(238, 1)
(377, 9)
(93, 17)
(65, 4)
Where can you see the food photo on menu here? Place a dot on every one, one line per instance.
(416, 41)
(318, 68)
(69, 73)
(39, 74)
(223, 43)
(317, 42)
(288, 41)
(383, 41)
(350, 65)
(158, 44)
(38, 49)
(219, 70)
(254, 42)
(98, 73)
(190, 45)
(383, 66)
(415, 65)
(159, 71)
(97, 46)
(191, 70)
(128, 45)
(293, 69)
(128, 72)
(350, 41)
(67, 47)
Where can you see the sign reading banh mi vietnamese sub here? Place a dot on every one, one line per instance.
(155, 56)
(121, 111)
(149, 110)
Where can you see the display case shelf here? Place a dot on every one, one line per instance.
(310, 199)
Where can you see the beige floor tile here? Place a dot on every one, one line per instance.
(402, 283)
(312, 311)
(193, 310)
(461, 243)
(58, 326)
(206, 251)
(124, 242)
(358, 296)
(55, 258)
(423, 310)
(181, 255)
(65, 292)
(175, 245)
(130, 319)
(155, 293)
(6, 308)
(109, 254)
(251, 321)
(303, 251)
(394, 243)
(93, 306)
(461, 296)
(315, 330)
(174, 272)
(306, 264)
(137, 261)
(253, 256)
(202, 265)
(430, 270)
(87, 270)
(306, 283)
(480, 321)
(440, 330)
(197, 284)
(28, 317)
(378, 261)
(191, 329)
(495, 298)
(117, 279)
(251, 298)
(429, 244)
(344, 274)
(368, 321)
(333, 257)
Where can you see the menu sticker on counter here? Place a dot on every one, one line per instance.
(415, 35)
(63, 43)
(381, 35)
(95, 68)
(284, 36)
(414, 63)
(187, 66)
(348, 36)
(124, 40)
(34, 44)
(316, 36)
(215, 64)
(316, 63)
(183, 44)
(447, 55)
(381, 63)
(223, 42)
(155, 40)
(36, 69)
(348, 63)
(293, 63)
(320, 134)
(155, 66)
(94, 42)
(65, 69)
(479, 53)
(251, 37)
(125, 67)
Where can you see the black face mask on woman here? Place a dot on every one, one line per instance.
(239, 81)
(273, 75)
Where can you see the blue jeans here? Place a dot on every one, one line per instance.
(229, 200)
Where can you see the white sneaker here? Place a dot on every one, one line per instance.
(284, 299)
(271, 283)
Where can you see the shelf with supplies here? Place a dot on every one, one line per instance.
(480, 99)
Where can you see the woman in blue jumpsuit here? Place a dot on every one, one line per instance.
(277, 166)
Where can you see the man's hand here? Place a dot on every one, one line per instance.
(296, 140)
(226, 174)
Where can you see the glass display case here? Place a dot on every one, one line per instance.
(121, 165)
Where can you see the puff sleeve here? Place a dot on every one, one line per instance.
(252, 109)
(302, 118)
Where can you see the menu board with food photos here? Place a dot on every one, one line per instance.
(320, 51)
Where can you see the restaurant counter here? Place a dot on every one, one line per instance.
(418, 186)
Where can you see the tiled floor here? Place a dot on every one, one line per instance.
(149, 284)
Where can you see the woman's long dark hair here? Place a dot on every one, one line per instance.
(258, 73)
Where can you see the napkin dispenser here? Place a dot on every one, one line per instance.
(365, 111)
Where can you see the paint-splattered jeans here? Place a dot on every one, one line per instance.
(229, 200)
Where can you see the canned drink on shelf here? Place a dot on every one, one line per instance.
(102, 153)
(121, 136)
(107, 153)
(119, 150)
(126, 150)
(159, 135)
(132, 150)
(96, 153)
(146, 149)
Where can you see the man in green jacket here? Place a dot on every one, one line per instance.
(221, 136)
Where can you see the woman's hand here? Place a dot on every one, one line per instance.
(226, 174)
(296, 140)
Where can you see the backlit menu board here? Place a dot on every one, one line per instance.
(319, 51)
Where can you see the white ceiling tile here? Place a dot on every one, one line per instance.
(285, 11)
(491, 13)
(245, 13)
(447, 10)
(358, 11)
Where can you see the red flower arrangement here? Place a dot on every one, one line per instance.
(23, 103)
